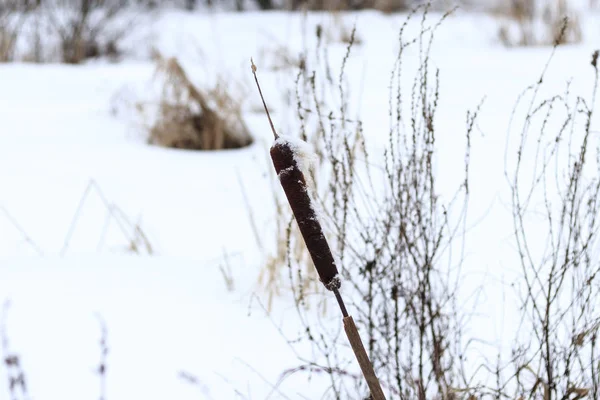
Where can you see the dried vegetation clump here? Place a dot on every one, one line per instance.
(535, 23)
(189, 118)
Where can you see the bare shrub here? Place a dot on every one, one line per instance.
(391, 240)
(534, 23)
(189, 118)
(86, 28)
(68, 31)
(555, 184)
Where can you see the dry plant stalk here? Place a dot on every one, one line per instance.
(102, 365)
(138, 241)
(17, 382)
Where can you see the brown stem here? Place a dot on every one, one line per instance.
(363, 359)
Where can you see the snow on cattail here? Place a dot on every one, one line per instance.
(285, 159)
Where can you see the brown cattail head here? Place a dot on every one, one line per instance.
(294, 185)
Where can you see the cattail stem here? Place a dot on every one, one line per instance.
(263, 99)
(340, 301)
(363, 359)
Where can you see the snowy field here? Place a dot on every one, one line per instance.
(97, 228)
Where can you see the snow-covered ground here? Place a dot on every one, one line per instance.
(76, 177)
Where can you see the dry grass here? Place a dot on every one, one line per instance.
(189, 118)
(531, 23)
(137, 240)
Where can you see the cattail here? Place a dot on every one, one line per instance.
(292, 180)
(284, 155)
(294, 185)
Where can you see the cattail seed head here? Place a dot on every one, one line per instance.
(295, 188)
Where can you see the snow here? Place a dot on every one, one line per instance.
(76, 178)
(304, 155)
(163, 317)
